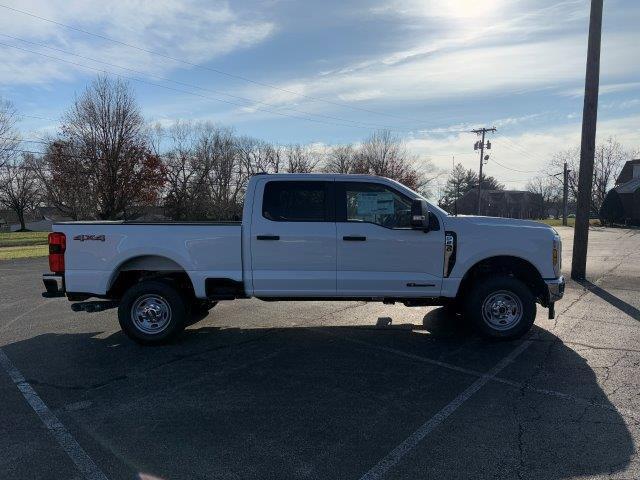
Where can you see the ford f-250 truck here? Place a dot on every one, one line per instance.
(312, 237)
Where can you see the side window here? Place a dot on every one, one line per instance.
(290, 201)
(374, 203)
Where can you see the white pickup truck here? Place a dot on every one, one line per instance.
(312, 237)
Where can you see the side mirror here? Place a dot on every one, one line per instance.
(420, 214)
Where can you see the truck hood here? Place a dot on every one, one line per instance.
(479, 238)
(495, 222)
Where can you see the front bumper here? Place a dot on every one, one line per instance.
(53, 284)
(555, 288)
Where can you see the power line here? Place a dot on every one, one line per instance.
(215, 70)
(37, 117)
(518, 149)
(249, 101)
(176, 89)
(188, 92)
(514, 169)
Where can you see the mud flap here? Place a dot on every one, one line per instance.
(552, 311)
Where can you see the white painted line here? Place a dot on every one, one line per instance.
(23, 314)
(76, 453)
(394, 457)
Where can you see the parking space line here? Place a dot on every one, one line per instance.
(72, 448)
(394, 457)
(23, 314)
(476, 373)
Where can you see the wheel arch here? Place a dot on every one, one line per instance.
(136, 268)
(508, 265)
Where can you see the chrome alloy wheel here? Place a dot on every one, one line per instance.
(502, 310)
(151, 313)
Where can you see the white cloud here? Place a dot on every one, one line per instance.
(360, 95)
(465, 72)
(528, 152)
(194, 31)
(604, 89)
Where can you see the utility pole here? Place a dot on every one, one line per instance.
(588, 144)
(565, 195)
(480, 145)
(565, 192)
(455, 202)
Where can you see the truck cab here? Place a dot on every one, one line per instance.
(314, 236)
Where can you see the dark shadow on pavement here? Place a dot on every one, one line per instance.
(323, 402)
(621, 305)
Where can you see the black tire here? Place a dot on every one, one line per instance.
(506, 293)
(454, 308)
(151, 297)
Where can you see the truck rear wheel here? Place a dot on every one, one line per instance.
(501, 307)
(152, 312)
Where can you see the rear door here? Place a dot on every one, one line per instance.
(293, 239)
(378, 253)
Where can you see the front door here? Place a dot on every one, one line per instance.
(293, 239)
(378, 253)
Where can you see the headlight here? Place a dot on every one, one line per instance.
(556, 256)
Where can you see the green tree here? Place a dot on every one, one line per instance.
(460, 181)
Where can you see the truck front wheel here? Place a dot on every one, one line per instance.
(501, 307)
(152, 312)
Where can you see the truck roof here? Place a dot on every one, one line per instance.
(322, 176)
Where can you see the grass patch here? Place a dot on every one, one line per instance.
(22, 239)
(11, 253)
(571, 222)
(23, 245)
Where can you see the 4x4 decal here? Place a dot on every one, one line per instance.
(83, 238)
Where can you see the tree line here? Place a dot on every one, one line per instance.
(106, 162)
(610, 157)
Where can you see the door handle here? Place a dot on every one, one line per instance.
(354, 238)
(268, 237)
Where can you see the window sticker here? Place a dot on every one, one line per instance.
(375, 203)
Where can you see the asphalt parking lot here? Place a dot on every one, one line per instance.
(315, 390)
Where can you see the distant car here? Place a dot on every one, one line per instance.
(571, 215)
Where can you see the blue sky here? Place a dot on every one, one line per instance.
(331, 72)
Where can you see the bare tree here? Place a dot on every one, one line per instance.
(9, 137)
(64, 177)
(186, 196)
(300, 159)
(19, 188)
(341, 159)
(258, 156)
(609, 159)
(216, 152)
(386, 155)
(103, 138)
(550, 191)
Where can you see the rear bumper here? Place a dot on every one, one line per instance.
(53, 284)
(555, 288)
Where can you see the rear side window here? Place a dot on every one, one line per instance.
(290, 201)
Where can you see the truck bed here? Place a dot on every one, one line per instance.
(97, 251)
(131, 222)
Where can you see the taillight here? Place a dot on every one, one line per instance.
(57, 246)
